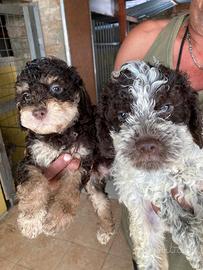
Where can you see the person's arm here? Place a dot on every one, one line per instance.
(139, 41)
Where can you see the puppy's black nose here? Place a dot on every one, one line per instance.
(148, 146)
(39, 113)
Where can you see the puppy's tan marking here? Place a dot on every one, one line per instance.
(48, 79)
(63, 208)
(33, 197)
(22, 87)
(60, 115)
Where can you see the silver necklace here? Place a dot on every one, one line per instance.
(191, 51)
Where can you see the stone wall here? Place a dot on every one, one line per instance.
(50, 15)
(51, 22)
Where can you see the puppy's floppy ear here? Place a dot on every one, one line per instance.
(73, 75)
(105, 141)
(195, 122)
(83, 97)
(102, 124)
(85, 102)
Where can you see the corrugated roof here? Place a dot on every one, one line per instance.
(149, 8)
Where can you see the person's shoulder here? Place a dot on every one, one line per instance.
(139, 40)
(151, 25)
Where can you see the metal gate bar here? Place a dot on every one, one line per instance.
(106, 44)
(20, 41)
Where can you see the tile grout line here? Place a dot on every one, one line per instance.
(14, 264)
(82, 247)
(85, 246)
(10, 261)
(23, 267)
(97, 250)
(18, 264)
(104, 261)
(55, 268)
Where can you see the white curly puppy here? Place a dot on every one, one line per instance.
(155, 125)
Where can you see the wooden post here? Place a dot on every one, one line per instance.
(78, 21)
(122, 19)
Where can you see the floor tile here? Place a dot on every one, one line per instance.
(18, 267)
(85, 207)
(12, 243)
(11, 217)
(78, 257)
(83, 232)
(120, 247)
(75, 249)
(43, 253)
(113, 262)
(84, 228)
(6, 265)
(116, 209)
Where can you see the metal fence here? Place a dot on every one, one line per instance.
(106, 45)
(20, 41)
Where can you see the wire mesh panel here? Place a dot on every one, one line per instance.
(17, 46)
(106, 44)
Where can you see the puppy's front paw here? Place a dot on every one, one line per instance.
(31, 225)
(57, 219)
(104, 237)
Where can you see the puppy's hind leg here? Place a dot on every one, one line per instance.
(96, 191)
(33, 197)
(62, 207)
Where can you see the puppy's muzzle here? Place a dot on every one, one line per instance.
(148, 147)
(39, 113)
(149, 152)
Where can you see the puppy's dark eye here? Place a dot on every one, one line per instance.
(56, 89)
(26, 97)
(165, 111)
(122, 116)
(166, 108)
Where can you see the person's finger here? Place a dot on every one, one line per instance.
(182, 202)
(58, 165)
(155, 208)
(74, 164)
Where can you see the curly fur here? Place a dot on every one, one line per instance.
(57, 121)
(135, 111)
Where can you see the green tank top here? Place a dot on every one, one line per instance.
(162, 48)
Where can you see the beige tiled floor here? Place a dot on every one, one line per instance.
(74, 249)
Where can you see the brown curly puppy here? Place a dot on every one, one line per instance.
(56, 111)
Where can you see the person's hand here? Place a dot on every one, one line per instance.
(62, 163)
(183, 203)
